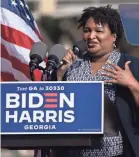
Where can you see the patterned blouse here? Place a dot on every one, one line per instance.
(81, 71)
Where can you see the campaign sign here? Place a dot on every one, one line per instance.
(52, 107)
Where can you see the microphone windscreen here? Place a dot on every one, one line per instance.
(38, 51)
(80, 48)
(57, 53)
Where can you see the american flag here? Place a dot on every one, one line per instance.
(19, 32)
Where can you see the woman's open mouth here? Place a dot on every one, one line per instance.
(91, 44)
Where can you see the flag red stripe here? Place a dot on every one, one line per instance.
(16, 64)
(7, 77)
(16, 37)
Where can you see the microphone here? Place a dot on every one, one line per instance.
(80, 48)
(37, 55)
(56, 54)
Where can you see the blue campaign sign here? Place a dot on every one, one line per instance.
(52, 107)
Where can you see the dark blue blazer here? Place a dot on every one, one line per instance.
(127, 109)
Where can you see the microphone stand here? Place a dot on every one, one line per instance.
(46, 76)
(47, 73)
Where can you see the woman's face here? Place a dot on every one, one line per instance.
(99, 38)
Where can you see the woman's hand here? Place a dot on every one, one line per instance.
(69, 59)
(120, 76)
(124, 78)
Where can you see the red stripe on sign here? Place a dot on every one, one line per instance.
(16, 64)
(51, 100)
(50, 106)
(16, 37)
(50, 94)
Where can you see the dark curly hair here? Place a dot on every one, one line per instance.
(104, 15)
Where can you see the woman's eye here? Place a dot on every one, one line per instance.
(99, 31)
(85, 31)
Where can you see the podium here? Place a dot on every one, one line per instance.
(74, 131)
(49, 142)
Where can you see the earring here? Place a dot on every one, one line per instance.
(114, 45)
